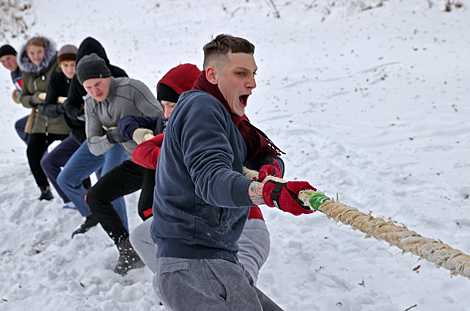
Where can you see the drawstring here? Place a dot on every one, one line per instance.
(45, 132)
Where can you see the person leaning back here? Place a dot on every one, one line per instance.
(202, 200)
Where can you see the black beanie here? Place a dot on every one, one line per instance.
(7, 50)
(164, 92)
(92, 67)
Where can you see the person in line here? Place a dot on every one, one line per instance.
(37, 61)
(9, 61)
(254, 242)
(83, 163)
(56, 95)
(109, 100)
(202, 199)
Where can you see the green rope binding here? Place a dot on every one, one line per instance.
(316, 199)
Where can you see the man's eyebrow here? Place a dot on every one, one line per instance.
(245, 69)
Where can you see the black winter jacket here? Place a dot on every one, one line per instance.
(59, 86)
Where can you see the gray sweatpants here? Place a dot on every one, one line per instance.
(208, 285)
(253, 245)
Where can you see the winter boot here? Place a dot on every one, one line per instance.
(128, 258)
(46, 193)
(90, 222)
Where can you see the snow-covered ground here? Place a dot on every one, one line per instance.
(370, 105)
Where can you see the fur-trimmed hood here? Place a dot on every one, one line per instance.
(50, 56)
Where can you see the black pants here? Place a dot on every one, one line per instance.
(146, 196)
(124, 179)
(37, 145)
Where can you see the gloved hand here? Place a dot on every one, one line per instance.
(61, 99)
(42, 96)
(271, 168)
(16, 96)
(35, 99)
(60, 108)
(139, 135)
(114, 136)
(284, 196)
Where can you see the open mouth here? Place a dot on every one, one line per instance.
(243, 100)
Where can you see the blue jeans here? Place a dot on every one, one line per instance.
(19, 127)
(81, 165)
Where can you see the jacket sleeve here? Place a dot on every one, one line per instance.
(74, 106)
(50, 104)
(209, 157)
(129, 124)
(144, 100)
(146, 154)
(97, 141)
(25, 92)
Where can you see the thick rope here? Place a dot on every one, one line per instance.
(435, 251)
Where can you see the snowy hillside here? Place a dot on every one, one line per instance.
(369, 99)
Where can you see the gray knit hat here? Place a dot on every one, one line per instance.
(92, 67)
(67, 53)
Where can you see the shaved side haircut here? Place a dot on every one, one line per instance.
(215, 52)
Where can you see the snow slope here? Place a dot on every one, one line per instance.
(370, 105)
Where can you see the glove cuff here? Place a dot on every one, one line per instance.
(271, 193)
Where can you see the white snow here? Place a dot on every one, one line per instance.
(371, 106)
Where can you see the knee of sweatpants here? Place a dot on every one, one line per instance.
(134, 238)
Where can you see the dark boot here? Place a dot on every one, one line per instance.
(46, 193)
(90, 222)
(128, 258)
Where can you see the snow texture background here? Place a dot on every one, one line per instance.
(369, 99)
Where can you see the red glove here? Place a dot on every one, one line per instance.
(146, 154)
(272, 168)
(284, 196)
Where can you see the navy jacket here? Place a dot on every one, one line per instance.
(201, 202)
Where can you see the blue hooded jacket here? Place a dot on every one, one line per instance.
(201, 202)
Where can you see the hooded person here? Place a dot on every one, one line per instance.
(254, 242)
(8, 58)
(109, 100)
(83, 163)
(38, 60)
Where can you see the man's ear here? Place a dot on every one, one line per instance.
(211, 75)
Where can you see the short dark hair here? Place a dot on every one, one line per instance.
(222, 45)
